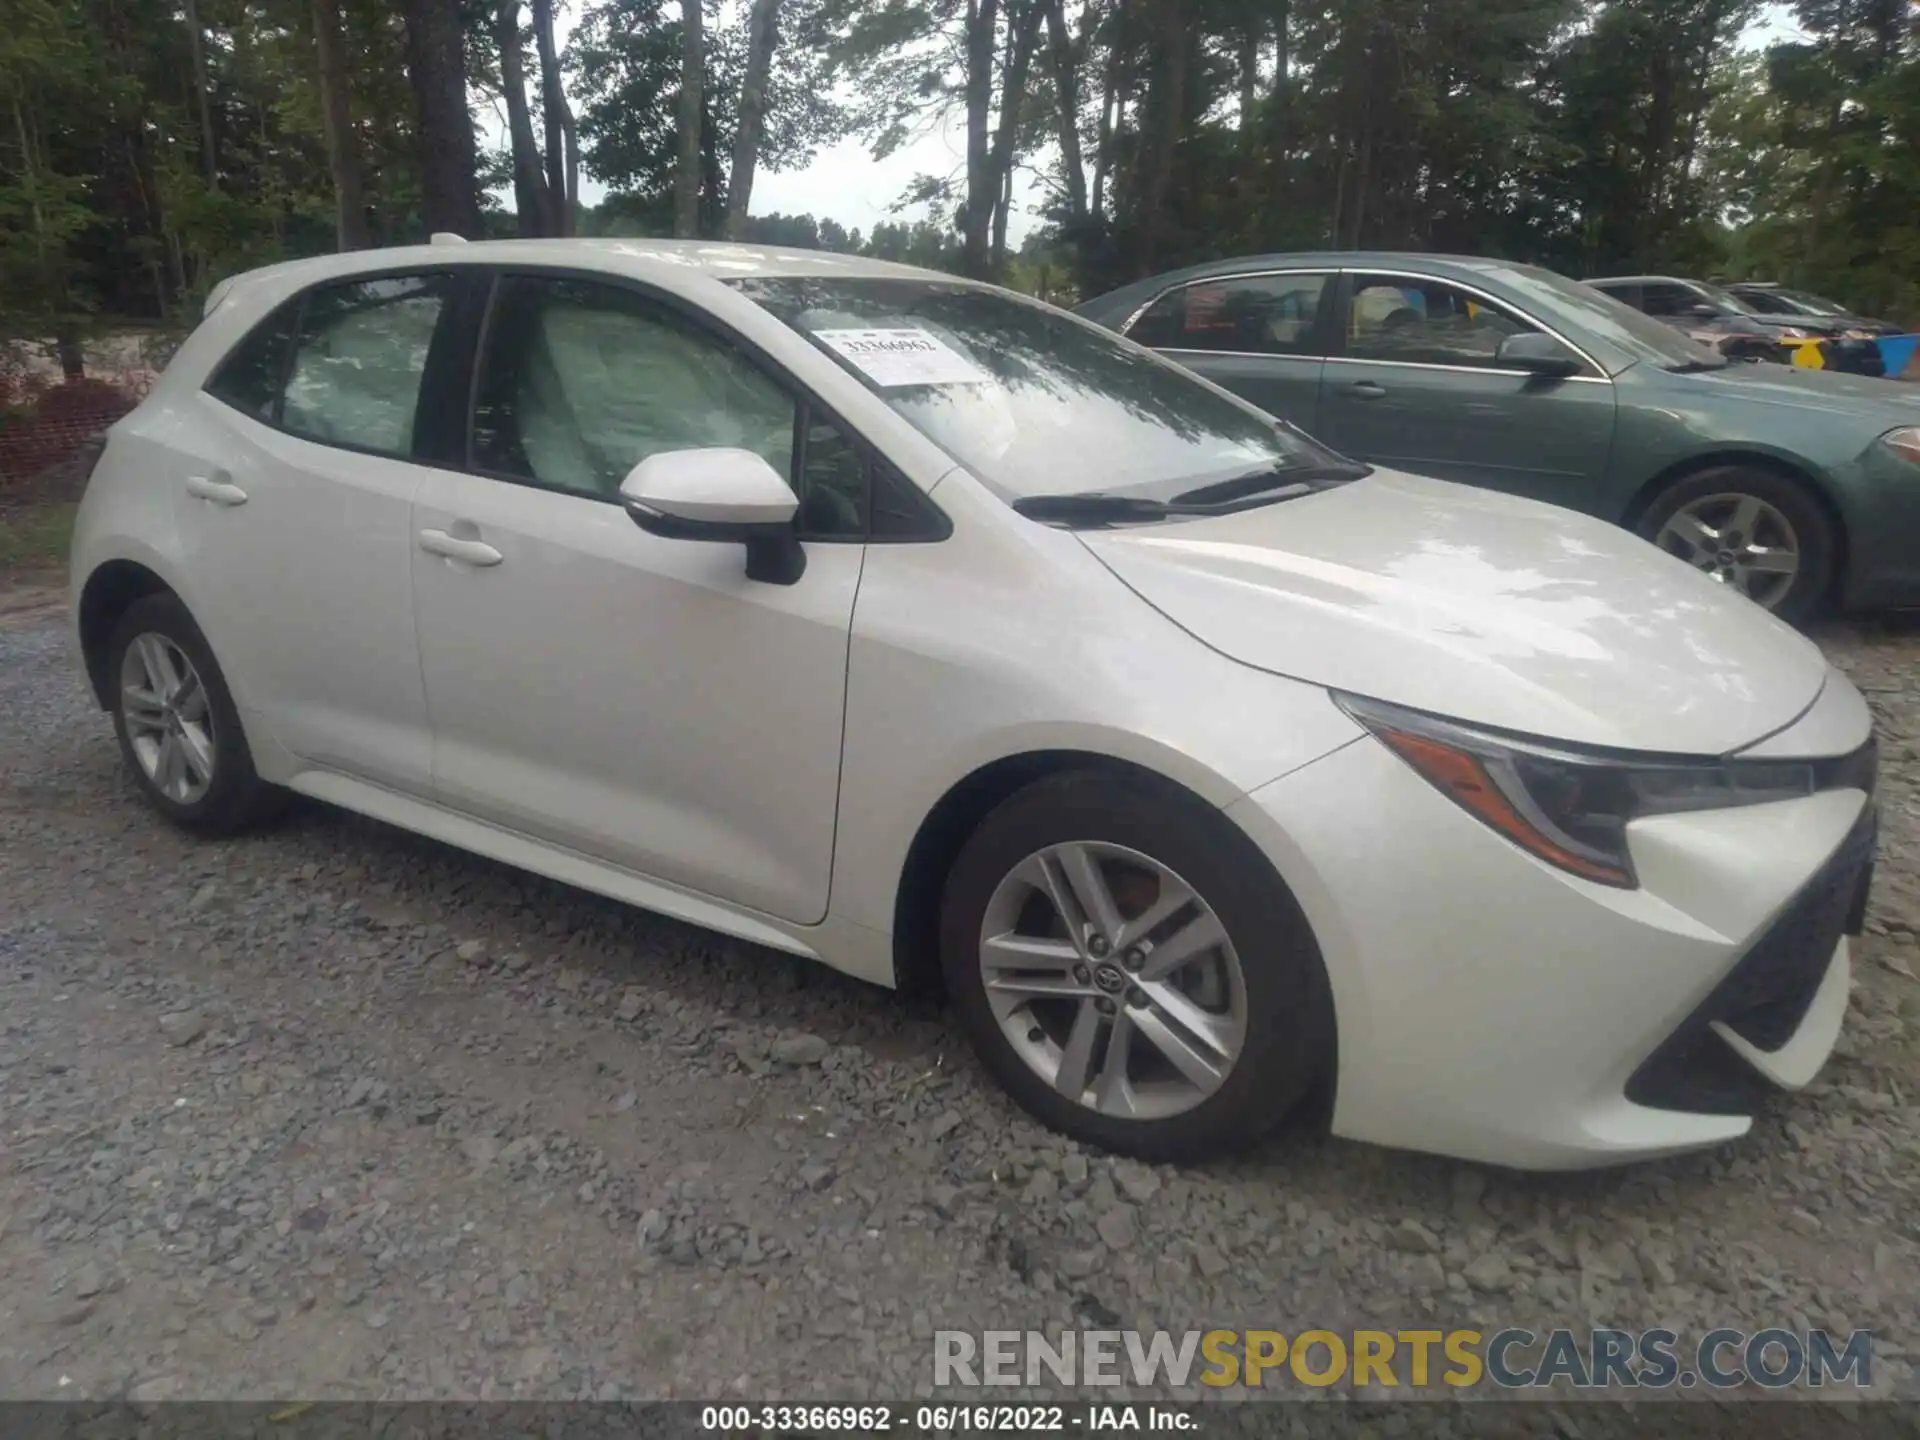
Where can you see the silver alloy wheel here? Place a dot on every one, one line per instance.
(169, 723)
(1740, 540)
(1113, 980)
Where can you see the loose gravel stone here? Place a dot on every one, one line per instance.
(799, 1050)
(183, 1027)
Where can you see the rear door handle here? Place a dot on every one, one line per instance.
(1368, 390)
(216, 489)
(467, 552)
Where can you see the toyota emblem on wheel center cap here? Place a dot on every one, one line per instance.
(1110, 978)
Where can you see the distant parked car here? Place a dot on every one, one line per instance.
(1741, 328)
(1779, 300)
(1795, 486)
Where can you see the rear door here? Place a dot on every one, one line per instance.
(1261, 336)
(294, 509)
(1418, 386)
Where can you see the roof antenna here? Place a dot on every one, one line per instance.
(446, 237)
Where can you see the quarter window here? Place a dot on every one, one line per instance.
(359, 361)
(1247, 314)
(249, 378)
(1426, 322)
(580, 382)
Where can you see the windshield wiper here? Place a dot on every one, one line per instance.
(1275, 479)
(1095, 508)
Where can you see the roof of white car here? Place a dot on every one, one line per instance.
(719, 260)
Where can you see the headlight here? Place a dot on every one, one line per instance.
(1570, 807)
(1904, 442)
(1794, 332)
(1858, 335)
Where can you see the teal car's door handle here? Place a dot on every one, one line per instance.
(1368, 390)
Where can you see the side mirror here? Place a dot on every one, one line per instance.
(1703, 311)
(1538, 354)
(725, 495)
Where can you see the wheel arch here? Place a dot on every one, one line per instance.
(958, 813)
(1779, 465)
(113, 586)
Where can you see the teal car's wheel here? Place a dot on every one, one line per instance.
(1759, 532)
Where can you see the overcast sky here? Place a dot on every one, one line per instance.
(845, 183)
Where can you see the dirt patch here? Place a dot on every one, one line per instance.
(33, 600)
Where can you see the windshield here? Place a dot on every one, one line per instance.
(1725, 301)
(1031, 400)
(1580, 308)
(1801, 302)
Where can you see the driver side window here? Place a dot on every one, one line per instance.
(580, 382)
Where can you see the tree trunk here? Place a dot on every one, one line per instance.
(199, 49)
(1248, 62)
(67, 347)
(1105, 126)
(763, 34)
(976, 219)
(1065, 57)
(686, 180)
(349, 203)
(1023, 32)
(437, 73)
(1282, 83)
(1160, 130)
(562, 187)
(997, 253)
(532, 201)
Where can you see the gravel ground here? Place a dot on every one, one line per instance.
(338, 1112)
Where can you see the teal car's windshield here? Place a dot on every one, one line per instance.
(1582, 309)
(1031, 400)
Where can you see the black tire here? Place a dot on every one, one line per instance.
(1813, 526)
(236, 797)
(1290, 1027)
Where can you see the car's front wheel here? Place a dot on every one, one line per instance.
(179, 730)
(1753, 530)
(1131, 969)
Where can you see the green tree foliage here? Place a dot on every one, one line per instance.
(150, 147)
(625, 60)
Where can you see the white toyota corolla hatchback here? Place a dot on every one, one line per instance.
(905, 623)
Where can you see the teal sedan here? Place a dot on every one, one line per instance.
(1800, 488)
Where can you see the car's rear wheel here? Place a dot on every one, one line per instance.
(1756, 531)
(1131, 969)
(179, 730)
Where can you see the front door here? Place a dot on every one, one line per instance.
(634, 698)
(1418, 387)
(1260, 336)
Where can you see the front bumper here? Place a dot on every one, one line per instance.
(1494, 1008)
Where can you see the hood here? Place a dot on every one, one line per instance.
(1884, 402)
(1479, 606)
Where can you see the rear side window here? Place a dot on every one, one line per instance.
(359, 361)
(249, 378)
(1241, 314)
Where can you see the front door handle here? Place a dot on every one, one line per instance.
(1368, 390)
(467, 552)
(216, 490)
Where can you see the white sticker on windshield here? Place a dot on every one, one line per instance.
(893, 358)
